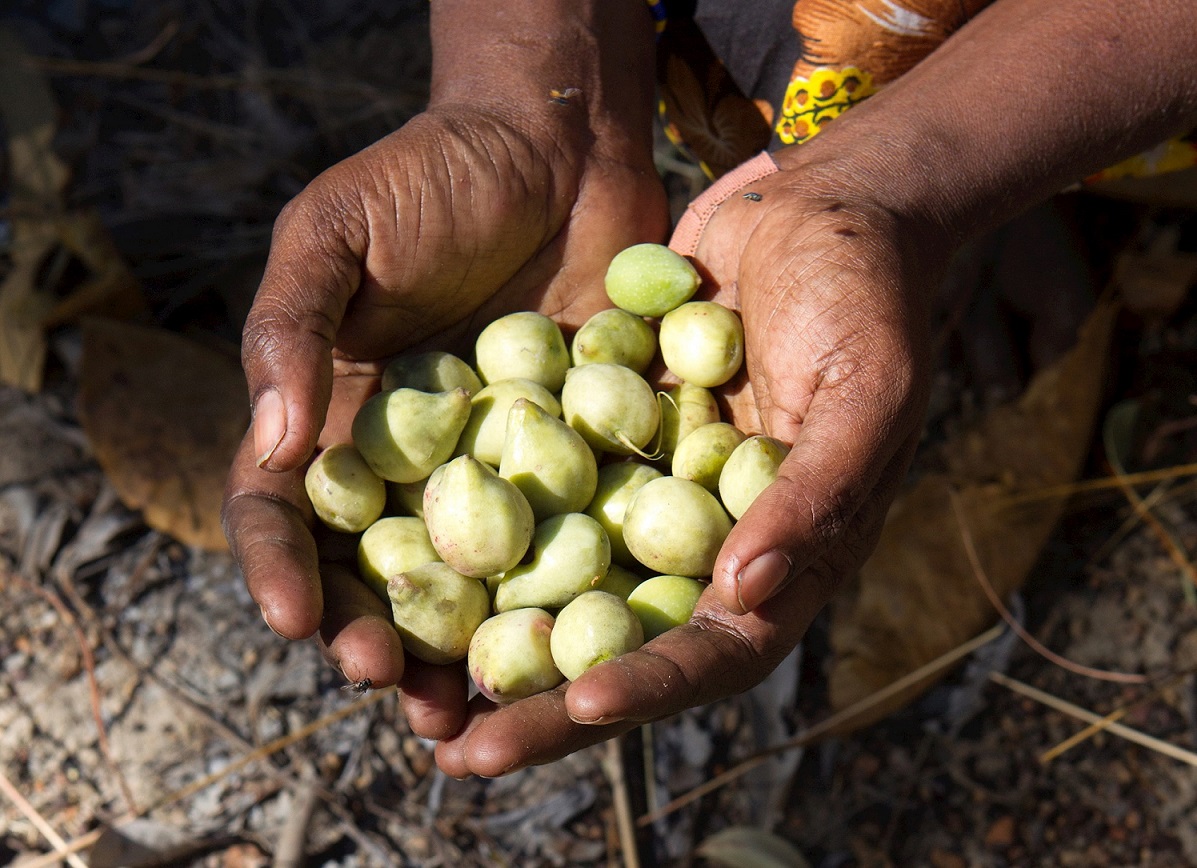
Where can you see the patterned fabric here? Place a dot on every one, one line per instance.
(739, 78)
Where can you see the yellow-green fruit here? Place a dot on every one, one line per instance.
(433, 371)
(700, 456)
(510, 658)
(486, 429)
(616, 485)
(391, 546)
(664, 602)
(650, 279)
(615, 337)
(703, 343)
(345, 493)
(683, 409)
(619, 581)
(749, 470)
(675, 527)
(612, 407)
(479, 523)
(406, 498)
(436, 611)
(525, 345)
(570, 555)
(548, 461)
(594, 628)
(406, 434)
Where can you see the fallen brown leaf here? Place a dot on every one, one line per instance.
(164, 416)
(917, 596)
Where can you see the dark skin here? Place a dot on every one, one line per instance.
(500, 198)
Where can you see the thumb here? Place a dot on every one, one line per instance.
(313, 268)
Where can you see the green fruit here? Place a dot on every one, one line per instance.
(619, 581)
(683, 409)
(570, 555)
(612, 407)
(700, 456)
(406, 498)
(594, 628)
(650, 280)
(749, 470)
(615, 337)
(432, 371)
(436, 611)
(675, 527)
(480, 524)
(703, 343)
(391, 546)
(509, 656)
(345, 493)
(548, 461)
(406, 434)
(616, 485)
(526, 346)
(486, 429)
(664, 602)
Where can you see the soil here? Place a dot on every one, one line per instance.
(139, 680)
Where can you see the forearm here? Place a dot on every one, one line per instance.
(1024, 100)
(581, 69)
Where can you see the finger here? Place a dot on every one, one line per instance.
(266, 519)
(356, 632)
(499, 740)
(313, 268)
(433, 698)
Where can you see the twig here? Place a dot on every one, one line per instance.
(613, 765)
(61, 849)
(1133, 735)
(828, 725)
(292, 841)
(1069, 489)
(1022, 633)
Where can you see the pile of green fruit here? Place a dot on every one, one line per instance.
(545, 509)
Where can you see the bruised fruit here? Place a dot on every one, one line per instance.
(345, 493)
(436, 611)
(594, 628)
(509, 656)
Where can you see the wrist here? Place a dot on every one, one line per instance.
(577, 74)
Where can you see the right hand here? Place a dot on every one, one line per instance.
(420, 240)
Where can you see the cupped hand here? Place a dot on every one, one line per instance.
(420, 240)
(833, 291)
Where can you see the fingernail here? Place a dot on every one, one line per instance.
(762, 578)
(266, 618)
(270, 424)
(602, 720)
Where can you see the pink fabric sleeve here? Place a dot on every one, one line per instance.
(689, 228)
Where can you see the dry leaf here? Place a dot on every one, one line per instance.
(749, 847)
(917, 596)
(164, 416)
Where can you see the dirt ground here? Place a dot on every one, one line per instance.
(149, 717)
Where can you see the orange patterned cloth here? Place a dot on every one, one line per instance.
(739, 78)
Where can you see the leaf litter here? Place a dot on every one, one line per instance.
(180, 151)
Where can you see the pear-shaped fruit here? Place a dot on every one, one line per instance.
(664, 602)
(548, 461)
(675, 527)
(594, 628)
(436, 611)
(433, 371)
(509, 655)
(525, 345)
(480, 524)
(684, 408)
(704, 451)
(486, 429)
(612, 407)
(345, 493)
(702, 342)
(391, 546)
(570, 555)
(650, 279)
(749, 470)
(406, 434)
(616, 337)
(616, 485)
